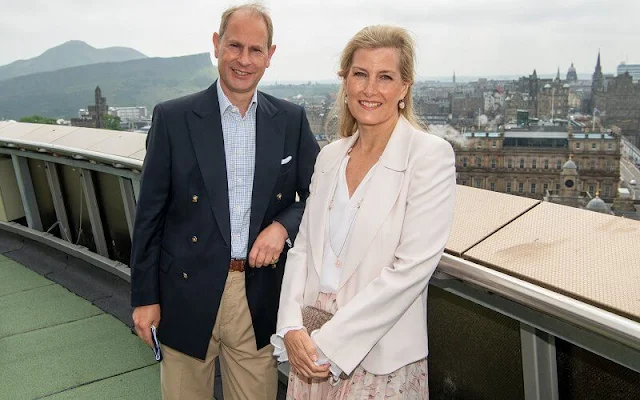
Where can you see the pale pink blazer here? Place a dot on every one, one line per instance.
(397, 240)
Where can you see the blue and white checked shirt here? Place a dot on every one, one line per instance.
(240, 152)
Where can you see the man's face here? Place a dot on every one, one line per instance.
(242, 53)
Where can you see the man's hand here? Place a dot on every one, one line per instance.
(302, 355)
(143, 318)
(268, 246)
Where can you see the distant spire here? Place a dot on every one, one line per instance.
(535, 74)
(597, 80)
(558, 74)
(454, 76)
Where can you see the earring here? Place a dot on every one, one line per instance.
(345, 99)
(401, 105)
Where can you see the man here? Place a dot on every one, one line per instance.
(217, 204)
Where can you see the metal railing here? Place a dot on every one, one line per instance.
(44, 171)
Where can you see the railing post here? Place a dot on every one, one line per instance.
(58, 201)
(538, 364)
(27, 193)
(128, 198)
(94, 213)
(136, 188)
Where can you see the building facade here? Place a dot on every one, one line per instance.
(94, 117)
(617, 101)
(632, 69)
(529, 163)
(127, 114)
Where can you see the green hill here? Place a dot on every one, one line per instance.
(70, 54)
(144, 82)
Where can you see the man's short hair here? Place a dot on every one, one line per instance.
(254, 9)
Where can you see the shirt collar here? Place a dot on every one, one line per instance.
(225, 103)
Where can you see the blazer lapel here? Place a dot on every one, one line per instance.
(327, 175)
(205, 130)
(381, 196)
(270, 137)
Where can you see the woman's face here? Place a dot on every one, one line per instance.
(374, 86)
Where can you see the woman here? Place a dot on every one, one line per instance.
(374, 229)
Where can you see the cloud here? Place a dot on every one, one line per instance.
(472, 37)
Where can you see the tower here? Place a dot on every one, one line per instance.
(572, 75)
(597, 80)
(597, 87)
(569, 177)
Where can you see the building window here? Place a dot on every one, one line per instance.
(522, 163)
(465, 162)
(593, 146)
(493, 163)
(534, 163)
(521, 187)
(558, 164)
(479, 143)
(533, 188)
(607, 191)
(577, 145)
(465, 182)
(492, 186)
(508, 187)
(479, 183)
(593, 165)
(592, 189)
(478, 162)
(608, 165)
(545, 187)
(546, 164)
(609, 146)
(557, 187)
(509, 163)
(494, 144)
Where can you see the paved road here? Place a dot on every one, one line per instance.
(628, 171)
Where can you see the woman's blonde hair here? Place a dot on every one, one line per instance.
(341, 122)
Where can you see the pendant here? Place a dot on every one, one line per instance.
(338, 264)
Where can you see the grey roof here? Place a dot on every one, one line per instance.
(569, 165)
(539, 135)
(598, 205)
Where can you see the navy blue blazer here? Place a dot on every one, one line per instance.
(182, 237)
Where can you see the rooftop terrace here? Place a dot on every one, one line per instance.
(531, 300)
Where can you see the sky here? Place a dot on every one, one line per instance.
(470, 37)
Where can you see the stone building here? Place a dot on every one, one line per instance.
(617, 102)
(530, 163)
(466, 105)
(622, 104)
(553, 100)
(518, 101)
(94, 118)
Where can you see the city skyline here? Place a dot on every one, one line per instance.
(472, 38)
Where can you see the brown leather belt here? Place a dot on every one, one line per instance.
(237, 264)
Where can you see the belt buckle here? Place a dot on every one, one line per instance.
(234, 262)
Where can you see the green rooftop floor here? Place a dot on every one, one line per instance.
(56, 345)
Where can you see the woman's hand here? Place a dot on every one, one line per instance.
(302, 355)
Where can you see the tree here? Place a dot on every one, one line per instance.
(37, 119)
(112, 122)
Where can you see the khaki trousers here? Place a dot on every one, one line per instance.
(247, 373)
